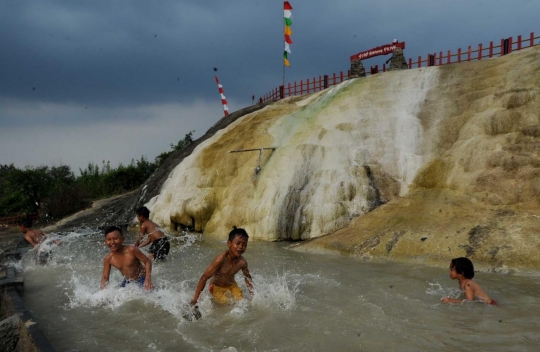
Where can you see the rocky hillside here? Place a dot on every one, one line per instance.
(424, 164)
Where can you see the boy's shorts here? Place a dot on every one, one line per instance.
(139, 281)
(224, 295)
(160, 248)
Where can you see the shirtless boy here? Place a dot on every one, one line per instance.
(128, 259)
(462, 269)
(222, 270)
(160, 243)
(34, 237)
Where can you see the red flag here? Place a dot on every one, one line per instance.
(287, 6)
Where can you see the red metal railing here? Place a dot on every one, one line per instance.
(322, 82)
(10, 220)
(507, 46)
(307, 86)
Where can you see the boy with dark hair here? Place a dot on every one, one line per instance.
(35, 238)
(128, 259)
(462, 269)
(223, 287)
(160, 243)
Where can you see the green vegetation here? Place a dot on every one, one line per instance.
(57, 192)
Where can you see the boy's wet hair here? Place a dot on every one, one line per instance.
(26, 223)
(143, 211)
(237, 232)
(112, 229)
(463, 266)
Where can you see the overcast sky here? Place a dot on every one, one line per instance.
(86, 81)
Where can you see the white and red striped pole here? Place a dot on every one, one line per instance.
(223, 99)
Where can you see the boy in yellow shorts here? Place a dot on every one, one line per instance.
(222, 270)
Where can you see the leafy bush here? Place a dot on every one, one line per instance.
(56, 192)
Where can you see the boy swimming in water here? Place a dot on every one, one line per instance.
(462, 269)
(160, 243)
(128, 259)
(222, 270)
(35, 238)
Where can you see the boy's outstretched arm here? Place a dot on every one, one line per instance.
(147, 266)
(248, 279)
(141, 234)
(145, 243)
(210, 271)
(106, 272)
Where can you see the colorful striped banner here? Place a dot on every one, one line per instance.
(223, 99)
(287, 15)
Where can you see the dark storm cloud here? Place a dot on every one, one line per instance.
(136, 52)
(77, 63)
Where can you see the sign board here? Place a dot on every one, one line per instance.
(380, 50)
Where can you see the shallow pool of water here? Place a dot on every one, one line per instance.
(303, 302)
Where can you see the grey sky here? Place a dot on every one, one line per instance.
(86, 81)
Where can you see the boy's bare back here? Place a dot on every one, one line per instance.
(34, 237)
(151, 228)
(473, 291)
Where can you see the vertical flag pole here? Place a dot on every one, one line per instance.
(223, 99)
(287, 15)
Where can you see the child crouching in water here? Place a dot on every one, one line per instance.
(224, 267)
(160, 243)
(128, 259)
(462, 269)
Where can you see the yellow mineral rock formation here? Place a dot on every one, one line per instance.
(424, 164)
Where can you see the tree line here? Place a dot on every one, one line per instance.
(55, 191)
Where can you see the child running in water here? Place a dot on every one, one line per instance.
(222, 270)
(462, 269)
(160, 243)
(128, 259)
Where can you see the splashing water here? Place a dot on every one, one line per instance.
(300, 302)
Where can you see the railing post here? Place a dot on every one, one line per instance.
(325, 81)
(469, 53)
(479, 51)
(334, 79)
(410, 63)
(383, 67)
(502, 47)
(531, 39)
(510, 45)
(448, 59)
(431, 60)
(459, 55)
(419, 61)
(490, 49)
(341, 76)
(440, 58)
(519, 43)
